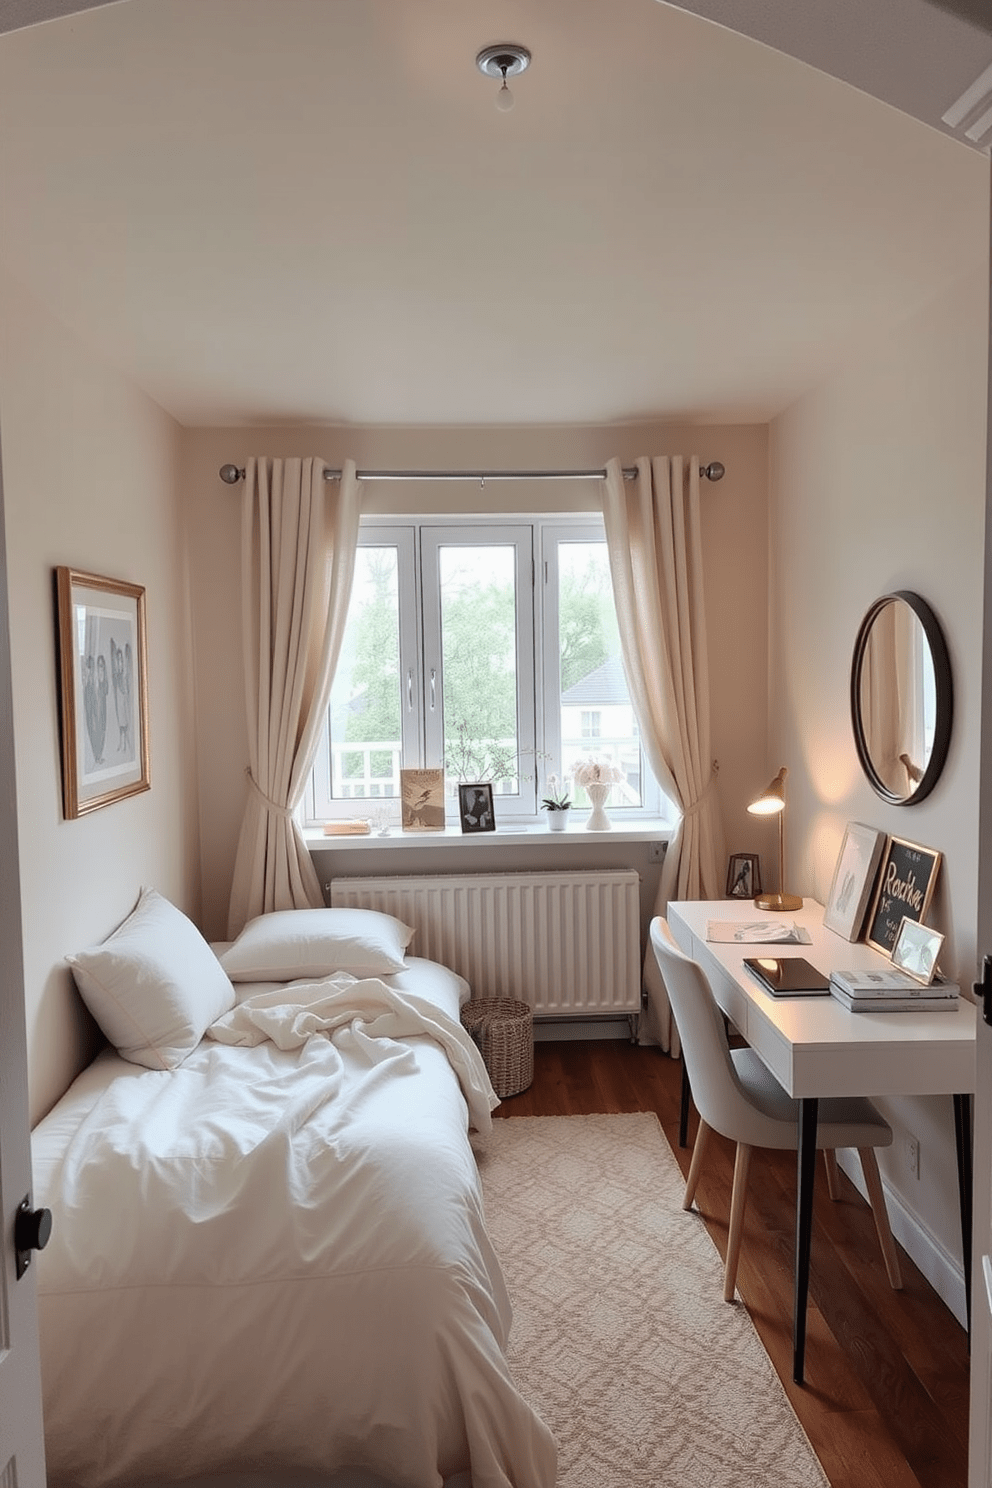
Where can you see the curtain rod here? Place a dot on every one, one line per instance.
(714, 471)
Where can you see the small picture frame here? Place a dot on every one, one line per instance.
(915, 950)
(103, 690)
(743, 876)
(422, 800)
(475, 807)
(905, 886)
(854, 878)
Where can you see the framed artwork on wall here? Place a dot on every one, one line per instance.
(103, 686)
(904, 890)
(854, 878)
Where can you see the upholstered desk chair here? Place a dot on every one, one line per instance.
(737, 1096)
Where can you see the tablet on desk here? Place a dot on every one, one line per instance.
(788, 976)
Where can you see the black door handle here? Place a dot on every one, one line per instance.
(32, 1231)
(983, 989)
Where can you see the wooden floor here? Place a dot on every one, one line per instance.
(885, 1403)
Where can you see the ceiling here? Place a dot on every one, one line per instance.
(294, 210)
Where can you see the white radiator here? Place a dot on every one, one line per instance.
(566, 943)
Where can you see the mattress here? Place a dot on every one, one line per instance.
(273, 1261)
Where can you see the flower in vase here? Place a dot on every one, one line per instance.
(586, 772)
(557, 798)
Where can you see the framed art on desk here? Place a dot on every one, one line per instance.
(854, 879)
(743, 876)
(905, 887)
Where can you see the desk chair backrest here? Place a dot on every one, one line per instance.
(716, 1089)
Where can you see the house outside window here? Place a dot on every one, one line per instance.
(488, 649)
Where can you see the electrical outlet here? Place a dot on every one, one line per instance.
(656, 851)
(913, 1155)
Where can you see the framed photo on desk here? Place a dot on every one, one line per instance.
(905, 887)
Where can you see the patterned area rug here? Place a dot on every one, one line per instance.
(621, 1338)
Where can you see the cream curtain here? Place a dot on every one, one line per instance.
(298, 539)
(653, 534)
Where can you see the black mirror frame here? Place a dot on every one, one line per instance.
(944, 698)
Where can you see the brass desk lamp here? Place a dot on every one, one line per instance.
(771, 802)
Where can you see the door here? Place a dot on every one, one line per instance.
(980, 1444)
(22, 1458)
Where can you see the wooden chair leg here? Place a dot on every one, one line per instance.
(833, 1177)
(696, 1165)
(742, 1164)
(876, 1197)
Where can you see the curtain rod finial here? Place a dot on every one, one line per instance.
(230, 475)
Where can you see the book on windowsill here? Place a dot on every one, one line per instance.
(889, 982)
(352, 828)
(895, 1004)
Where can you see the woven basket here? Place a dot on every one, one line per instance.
(504, 1031)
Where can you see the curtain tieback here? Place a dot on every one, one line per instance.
(271, 805)
(702, 798)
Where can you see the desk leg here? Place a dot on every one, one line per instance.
(808, 1112)
(962, 1136)
(684, 1105)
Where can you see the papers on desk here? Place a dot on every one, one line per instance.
(757, 932)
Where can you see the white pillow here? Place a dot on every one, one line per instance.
(294, 943)
(154, 985)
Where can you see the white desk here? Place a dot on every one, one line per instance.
(814, 1047)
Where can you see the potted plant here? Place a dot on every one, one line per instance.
(556, 802)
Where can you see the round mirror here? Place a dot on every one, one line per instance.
(901, 698)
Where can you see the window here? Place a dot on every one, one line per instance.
(489, 649)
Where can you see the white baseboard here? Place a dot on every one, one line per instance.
(942, 1270)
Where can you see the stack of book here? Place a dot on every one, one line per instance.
(889, 990)
(351, 827)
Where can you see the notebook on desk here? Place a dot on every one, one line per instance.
(788, 976)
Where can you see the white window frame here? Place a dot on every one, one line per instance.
(520, 536)
(375, 533)
(536, 541)
(554, 531)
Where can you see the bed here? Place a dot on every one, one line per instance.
(269, 1261)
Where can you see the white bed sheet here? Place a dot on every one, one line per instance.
(273, 1260)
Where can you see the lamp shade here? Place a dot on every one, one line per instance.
(772, 798)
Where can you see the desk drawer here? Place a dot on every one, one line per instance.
(730, 999)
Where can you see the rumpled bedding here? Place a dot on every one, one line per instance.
(273, 1259)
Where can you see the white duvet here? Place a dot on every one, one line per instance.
(273, 1259)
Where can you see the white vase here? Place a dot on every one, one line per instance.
(598, 821)
(557, 818)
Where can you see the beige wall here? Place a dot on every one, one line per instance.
(735, 533)
(878, 483)
(90, 471)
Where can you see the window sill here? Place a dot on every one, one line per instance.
(511, 835)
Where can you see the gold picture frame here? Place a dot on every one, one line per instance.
(904, 888)
(103, 678)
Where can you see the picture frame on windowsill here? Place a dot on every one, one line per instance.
(475, 807)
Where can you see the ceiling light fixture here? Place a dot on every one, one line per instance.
(503, 60)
